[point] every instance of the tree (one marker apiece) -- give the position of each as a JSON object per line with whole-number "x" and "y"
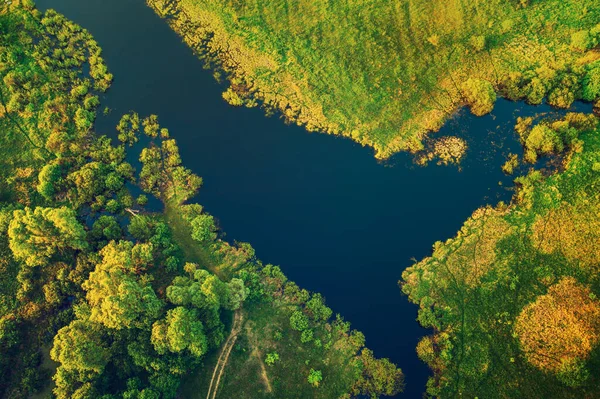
{"x": 118, "y": 298}
{"x": 480, "y": 95}
{"x": 316, "y": 306}
{"x": 583, "y": 40}
{"x": 237, "y": 293}
{"x": 79, "y": 347}
{"x": 315, "y": 377}
{"x": 49, "y": 179}
{"x": 36, "y": 235}
{"x": 106, "y": 227}
{"x": 272, "y": 358}
{"x": 203, "y": 228}
{"x": 128, "y": 128}
{"x": 591, "y": 82}
{"x": 299, "y": 321}
{"x": 379, "y": 377}
{"x": 180, "y": 330}
{"x": 561, "y": 328}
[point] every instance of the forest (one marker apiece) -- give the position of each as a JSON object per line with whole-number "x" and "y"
{"x": 513, "y": 299}
{"x": 385, "y": 74}
{"x": 116, "y": 283}
{"x": 104, "y": 295}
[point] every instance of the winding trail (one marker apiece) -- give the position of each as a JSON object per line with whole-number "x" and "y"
{"x": 224, "y": 356}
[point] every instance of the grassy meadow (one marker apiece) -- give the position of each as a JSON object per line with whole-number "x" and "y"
{"x": 386, "y": 73}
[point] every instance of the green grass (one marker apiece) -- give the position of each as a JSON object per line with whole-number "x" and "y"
{"x": 243, "y": 377}
{"x": 383, "y": 73}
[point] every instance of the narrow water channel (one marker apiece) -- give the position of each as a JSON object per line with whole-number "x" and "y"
{"x": 337, "y": 221}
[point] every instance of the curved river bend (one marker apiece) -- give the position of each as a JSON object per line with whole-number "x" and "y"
{"x": 336, "y": 220}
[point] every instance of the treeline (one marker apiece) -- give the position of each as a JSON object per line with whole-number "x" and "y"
{"x": 106, "y": 297}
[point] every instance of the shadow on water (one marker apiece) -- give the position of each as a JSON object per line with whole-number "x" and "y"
{"x": 336, "y": 220}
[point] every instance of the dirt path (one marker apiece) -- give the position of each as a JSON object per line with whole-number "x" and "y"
{"x": 259, "y": 356}
{"x": 224, "y": 356}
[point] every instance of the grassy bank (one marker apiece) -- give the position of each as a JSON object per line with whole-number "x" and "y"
{"x": 385, "y": 73}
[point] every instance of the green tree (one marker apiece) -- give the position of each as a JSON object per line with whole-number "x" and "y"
{"x": 203, "y": 228}
{"x": 49, "y": 179}
{"x": 180, "y": 330}
{"x": 583, "y": 40}
{"x": 80, "y": 347}
{"x": 480, "y": 96}
{"x": 591, "y": 82}
{"x": 118, "y": 298}
{"x": 36, "y": 235}
{"x": 237, "y": 293}
{"x": 299, "y": 321}
{"x": 315, "y": 377}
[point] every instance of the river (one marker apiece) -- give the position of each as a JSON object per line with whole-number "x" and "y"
{"x": 336, "y": 220}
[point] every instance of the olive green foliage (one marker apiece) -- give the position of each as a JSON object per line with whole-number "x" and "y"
{"x": 385, "y": 73}
{"x": 512, "y": 299}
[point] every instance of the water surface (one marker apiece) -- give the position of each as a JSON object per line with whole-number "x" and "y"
{"x": 337, "y": 221}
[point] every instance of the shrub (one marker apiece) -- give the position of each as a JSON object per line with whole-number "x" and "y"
{"x": 583, "y": 40}
{"x": 299, "y": 321}
{"x": 272, "y": 358}
{"x": 203, "y": 228}
{"x": 591, "y": 83}
{"x": 315, "y": 377}
{"x": 480, "y": 96}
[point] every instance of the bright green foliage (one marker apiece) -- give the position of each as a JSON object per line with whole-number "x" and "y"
{"x": 181, "y": 330}
{"x": 162, "y": 173}
{"x": 299, "y": 321}
{"x": 79, "y": 347}
{"x": 591, "y": 82}
{"x": 128, "y": 128}
{"x": 583, "y": 40}
{"x": 315, "y": 377}
{"x": 272, "y": 358}
{"x": 37, "y": 235}
{"x": 118, "y": 298}
{"x": 49, "y": 178}
{"x": 203, "y": 228}
{"x": 480, "y": 96}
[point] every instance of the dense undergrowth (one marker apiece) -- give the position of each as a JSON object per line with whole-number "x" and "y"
{"x": 386, "y": 72}
{"x": 103, "y": 298}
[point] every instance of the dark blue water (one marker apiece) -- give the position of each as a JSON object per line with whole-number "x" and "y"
{"x": 336, "y": 220}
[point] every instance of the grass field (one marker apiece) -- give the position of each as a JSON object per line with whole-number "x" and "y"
{"x": 384, "y": 73}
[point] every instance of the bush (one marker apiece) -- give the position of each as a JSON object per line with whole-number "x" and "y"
{"x": 583, "y": 40}
{"x": 480, "y": 96}
{"x": 203, "y": 228}
{"x": 299, "y": 321}
{"x": 591, "y": 83}
{"x": 272, "y": 358}
{"x": 315, "y": 377}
